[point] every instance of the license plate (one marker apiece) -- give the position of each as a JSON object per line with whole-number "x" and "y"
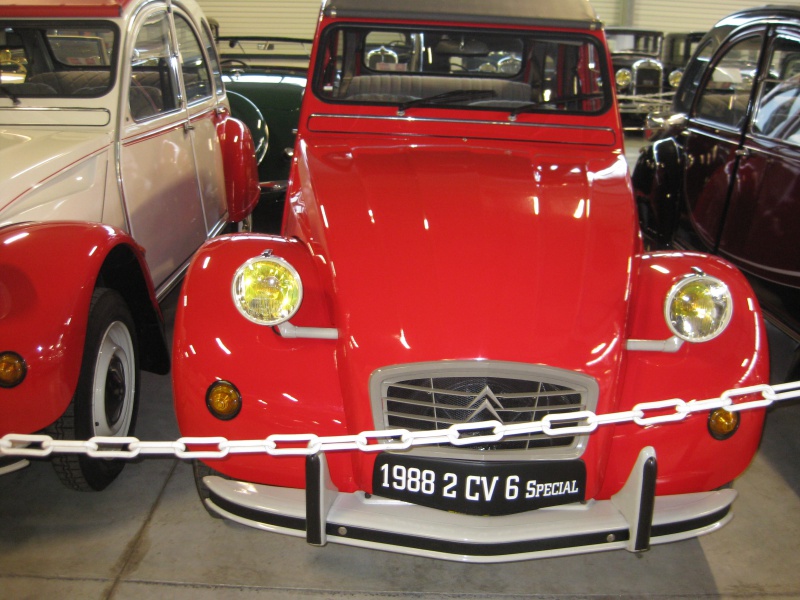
{"x": 479, "y": 488}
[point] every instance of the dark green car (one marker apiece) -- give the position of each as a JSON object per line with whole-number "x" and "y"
{"x": 265, "y": 78}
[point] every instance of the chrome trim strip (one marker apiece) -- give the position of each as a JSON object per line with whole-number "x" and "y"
{"x": 287, "y": 330}
{"x": 669, "y": 346}
{"x": 462, "y": 122}
{"x": 42, "y": 110}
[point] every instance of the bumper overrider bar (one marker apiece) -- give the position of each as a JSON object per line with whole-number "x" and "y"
{"x": 632, "y": 519}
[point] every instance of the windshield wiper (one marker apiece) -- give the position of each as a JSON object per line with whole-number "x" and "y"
{"x": 454, "y": 96}
{"x": 8, "y": 94}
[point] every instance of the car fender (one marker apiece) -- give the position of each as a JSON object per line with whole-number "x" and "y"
{"x": 285, "y": 383}
{"x": 657, "y": 184}
{"x": 736, "y": 359}
{"x": 239, "y": 163}
{"x": 48, "y": 272}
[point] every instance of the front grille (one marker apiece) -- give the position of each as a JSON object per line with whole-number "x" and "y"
{"x": 647, "y": 77}
{"x": 434, "y": 396}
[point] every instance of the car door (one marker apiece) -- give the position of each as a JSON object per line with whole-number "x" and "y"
{"x": 713, "y": 137}
{"x": 203, "y": 92}
{"x": 157, "y": 165}
{"x": 763, "y": 218}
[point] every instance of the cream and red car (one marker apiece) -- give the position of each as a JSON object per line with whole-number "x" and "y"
{"x": 460, "y": 253}
{"x": 118, "y": 160}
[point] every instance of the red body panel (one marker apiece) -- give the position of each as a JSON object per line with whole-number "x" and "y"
{"x": 47, "y": 274}
{"x": 241, "y": 171}
{"x": 87, "y": 9}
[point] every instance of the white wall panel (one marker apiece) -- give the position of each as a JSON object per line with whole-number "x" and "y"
{"x": 687, "y": 15}
{"x": 298, "y": 18}
{"x": 286, "y": 18}
{"x": 609, "y": 11}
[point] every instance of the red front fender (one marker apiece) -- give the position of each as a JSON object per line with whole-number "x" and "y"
{"x": 47, "y": 274}
{"x": 241, "y": 171}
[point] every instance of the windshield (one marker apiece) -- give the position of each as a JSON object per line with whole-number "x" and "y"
{"x": 56, "y": 60}
{"x": 518, "y": 71}
{"x": 264, "y": 52}
{"x": 635, "y": 42}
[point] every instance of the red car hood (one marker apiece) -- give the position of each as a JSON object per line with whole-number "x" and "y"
{"x": 488, "y": 251}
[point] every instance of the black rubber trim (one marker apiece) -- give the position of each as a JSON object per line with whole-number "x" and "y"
{"x": 647, "y": 505}
{"x": 314, "y": 521}
{"x": 462, "y": 548}
{"x": 684, "y": 526}
{"x": 258, "y": 516}
{"x": 468, "y": 549}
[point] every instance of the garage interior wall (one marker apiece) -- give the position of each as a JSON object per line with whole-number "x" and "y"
{"x": 298, "y": 18}
{"x": 284, "y": 18}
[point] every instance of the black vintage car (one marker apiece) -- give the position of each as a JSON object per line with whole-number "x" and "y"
{"x": 638, "y": 71}
{"x": 676, "y": 51}
{"x": 723, "y": 172}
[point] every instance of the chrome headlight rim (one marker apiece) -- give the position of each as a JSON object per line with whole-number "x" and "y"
{"x": 721, "y": 323}
{"x": 623, "y": 78}
{"x": 675, "y": 77}
{"x": 236, "y": 293}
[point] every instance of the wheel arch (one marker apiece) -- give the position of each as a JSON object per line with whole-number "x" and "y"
{"x": 48, "y": 273}
{"x": 122, "y": 271}
{"x": 239, "y": 163}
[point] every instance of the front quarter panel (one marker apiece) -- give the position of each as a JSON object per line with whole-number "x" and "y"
{"x": 288, "y": 386}
{"x": 241, "y": 170}
{"x": 48, "y": 272}
{"x": 689, "y": 458}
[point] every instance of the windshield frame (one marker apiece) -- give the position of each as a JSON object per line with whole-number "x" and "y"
{"x": 42, "y": 52}
{"x": 527, "y": 35}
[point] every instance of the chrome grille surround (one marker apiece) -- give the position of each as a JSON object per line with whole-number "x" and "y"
{"x": 648, "y": 77}
{"x": 436, "y": 395}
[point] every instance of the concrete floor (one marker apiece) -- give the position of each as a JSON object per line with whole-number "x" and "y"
{"x": 147, "y": 536}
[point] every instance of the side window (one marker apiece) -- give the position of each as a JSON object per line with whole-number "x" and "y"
{"x": 196, "y": 77}
{"x": 778, "y": 110}
{"x": 728, "y": 86}
{"x": 692, "y": 76}
{"x": 153, "y": 85}
{"x": 213, "y": 58}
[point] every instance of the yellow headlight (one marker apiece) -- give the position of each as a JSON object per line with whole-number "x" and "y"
{"x": 624, "y": 78}
{"x": 267, "y": 290}
{"x": 12, "y": 369}
{"x": 698, "y": 308}
{"x": 675, "y": 78}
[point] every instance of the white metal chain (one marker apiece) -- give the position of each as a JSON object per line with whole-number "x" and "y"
{"x": 644, "y": 414}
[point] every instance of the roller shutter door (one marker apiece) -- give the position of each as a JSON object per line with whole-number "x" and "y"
{"x": 608, "y": 11}
{"x": 686, "y": 15}
{"x": 285, "y": 18}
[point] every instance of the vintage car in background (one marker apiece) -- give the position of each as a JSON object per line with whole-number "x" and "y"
{"x": 638, "y": 72}
{"x": 459, "y": 253}
{"x": 723, "y": 172}
{"x": 265, "y": 78}
{"x": 119, "y": 159}
{"x": 676, "y": 51}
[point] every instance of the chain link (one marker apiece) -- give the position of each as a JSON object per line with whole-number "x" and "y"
{"x": 644, "y": 414}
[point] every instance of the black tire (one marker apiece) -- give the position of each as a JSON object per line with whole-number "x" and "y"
{"x": 107, "y": 396}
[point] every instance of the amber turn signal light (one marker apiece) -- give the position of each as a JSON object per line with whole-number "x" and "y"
{"x": 12, "y": 369}
{"x": 722, "y": 423}
{"x": 223, "y": 400}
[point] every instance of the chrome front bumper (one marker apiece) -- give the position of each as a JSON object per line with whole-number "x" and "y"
{"x": 632, "y": 519}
